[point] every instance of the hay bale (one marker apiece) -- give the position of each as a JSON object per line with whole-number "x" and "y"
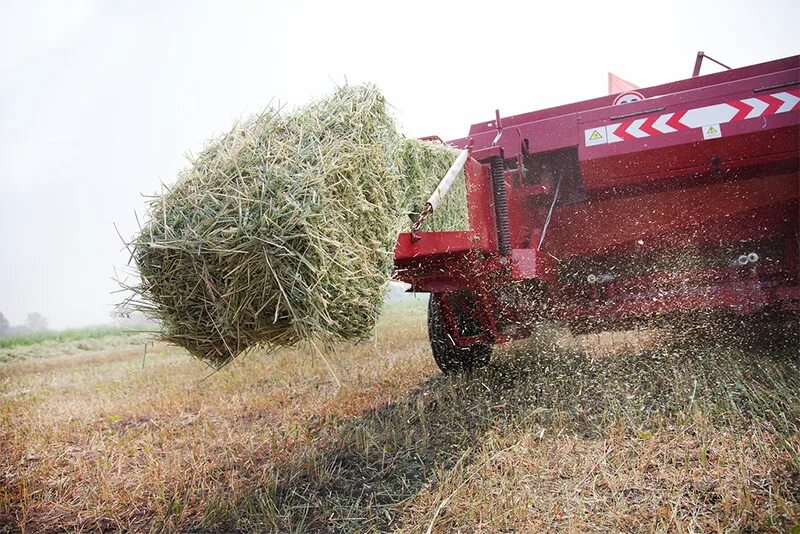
{"x": 283, "y": 229}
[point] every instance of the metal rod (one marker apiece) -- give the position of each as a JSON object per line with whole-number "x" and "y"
{"x": 698, "y": 62}
{"x": 720, "y": 63}
{"x": 441, "y": 190}
{"x": 549, "y": 213}
{"x": 449, "y": 178}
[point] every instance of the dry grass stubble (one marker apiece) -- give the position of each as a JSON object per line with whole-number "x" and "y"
{"x": 668, "y": 439}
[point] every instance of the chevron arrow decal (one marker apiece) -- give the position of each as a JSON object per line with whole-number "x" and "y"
{"x": 737, "y": 110}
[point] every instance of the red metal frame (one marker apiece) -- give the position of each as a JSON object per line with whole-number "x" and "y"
{"x": 621, "y": 203}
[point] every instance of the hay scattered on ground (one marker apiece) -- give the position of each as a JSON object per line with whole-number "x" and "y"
{"x": 283, "y": 229}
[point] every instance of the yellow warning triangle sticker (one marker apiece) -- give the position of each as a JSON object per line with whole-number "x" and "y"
{"x": 595, "y": 136}
{"x": 711, "y": 130}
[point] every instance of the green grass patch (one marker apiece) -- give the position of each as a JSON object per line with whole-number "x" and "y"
{"x": 75, "y": 334}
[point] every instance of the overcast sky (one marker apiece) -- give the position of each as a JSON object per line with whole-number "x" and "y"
{"x": 100, "y": 101}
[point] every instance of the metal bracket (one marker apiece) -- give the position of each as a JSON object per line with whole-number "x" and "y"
{"x": 699, "y": 62}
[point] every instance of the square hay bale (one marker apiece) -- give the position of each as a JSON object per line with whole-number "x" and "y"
{"x": 283, "y": 229}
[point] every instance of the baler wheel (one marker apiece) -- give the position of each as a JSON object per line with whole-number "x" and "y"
{"x": 448, "y": 356}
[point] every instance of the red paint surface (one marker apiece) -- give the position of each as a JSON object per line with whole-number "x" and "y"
{"x": 659, "y": 193}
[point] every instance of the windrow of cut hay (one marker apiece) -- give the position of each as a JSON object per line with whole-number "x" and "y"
{"x": 283, "y": 229}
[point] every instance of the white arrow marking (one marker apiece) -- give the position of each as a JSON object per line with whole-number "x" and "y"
{"x": 661, "y": 125}
{"x": 634, "y": 130}
{"x": 789, "y": 101}
{"x": 610, "y": 129}
{"x": 758, "y": 107}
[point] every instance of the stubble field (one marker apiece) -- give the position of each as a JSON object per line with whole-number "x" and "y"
{"x": 557, "y": 434}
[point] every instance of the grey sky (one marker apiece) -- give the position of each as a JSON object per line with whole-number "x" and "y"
{"x": 99, "y": 101}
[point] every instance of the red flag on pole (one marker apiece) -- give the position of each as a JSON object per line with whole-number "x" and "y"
{"x": 618, "y": 85}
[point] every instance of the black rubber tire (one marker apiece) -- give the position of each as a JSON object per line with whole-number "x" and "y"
{"x": 448, "y": 356}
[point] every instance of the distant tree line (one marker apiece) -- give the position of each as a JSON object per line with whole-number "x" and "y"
{"x": 35, "y": 322}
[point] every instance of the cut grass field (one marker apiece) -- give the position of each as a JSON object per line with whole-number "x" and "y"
{"x": 675, "y": 437}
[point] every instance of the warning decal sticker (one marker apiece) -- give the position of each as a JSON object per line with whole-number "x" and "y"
{"x": 712, "y": 131}
{"x": 596, "y": 136}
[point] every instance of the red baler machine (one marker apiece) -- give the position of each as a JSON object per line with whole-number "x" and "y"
{"x": 603, "y": 214}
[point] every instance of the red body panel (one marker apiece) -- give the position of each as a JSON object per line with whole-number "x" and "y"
{"x": 724, "y": 211}
{"x": 657, "y": 209}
